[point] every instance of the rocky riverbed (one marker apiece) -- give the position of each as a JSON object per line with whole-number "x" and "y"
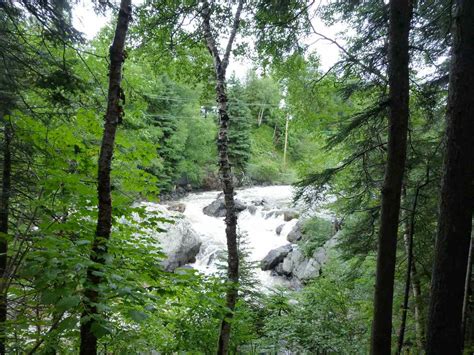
{"x": 268, "y": 221}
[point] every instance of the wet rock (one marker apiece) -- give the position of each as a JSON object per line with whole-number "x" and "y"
{"x": 274, "y": 214}
{"x": 307, "y": 270}
{"x": 275, "y": 256}
{"x": 180, "y": 243}
{"x": 292, "y": 260}
{"x": 279, "y": 229}
{"x": 296, "y": 232}
{"x": 177, "y": 206}
{"x": 290, "y": 214}
{"x": 278, "y": 270}
{"x": 252, "y": 209}
{"x": 217, "y": 207}
{"x": 260, "y": 202}
{"x": 299, "y": 268}
{"x": 296, "y": 264}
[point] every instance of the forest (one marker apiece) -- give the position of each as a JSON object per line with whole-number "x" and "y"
{"x": 195, "y": 178}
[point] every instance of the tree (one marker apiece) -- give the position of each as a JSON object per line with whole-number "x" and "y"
{"x": 239, "y": 128}
{"x": 400, "y": 16}
{"x": 113, "y": 117}
{"x": 225, "y": 170}
{"x": 456, "y": 205}
{"x": 4, "y": 216}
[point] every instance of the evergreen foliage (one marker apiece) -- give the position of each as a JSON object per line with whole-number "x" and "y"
{"x": 53, "y": 87}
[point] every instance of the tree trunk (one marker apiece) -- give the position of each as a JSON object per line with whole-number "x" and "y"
{"x": 400, "y": 16}
{"x": 104, "y": 222}
{"x": 4, "y": 214}
{"x": 467, "y": 312}
{"x": 456, "y": 206}
{"x": 408, "y": 237}
{"x": 417, "y": 306}
{"x": 285, "y": 148}
{"x": 260, "y": 117}
{"x": 225, "y": 170}
{"x": 410, "y": 279}
{"x": 231, "y": 216}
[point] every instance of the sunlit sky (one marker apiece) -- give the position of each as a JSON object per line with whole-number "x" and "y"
{"x": 90, "y": 23}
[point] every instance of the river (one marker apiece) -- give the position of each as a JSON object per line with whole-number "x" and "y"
{"x": 259, "y": 227}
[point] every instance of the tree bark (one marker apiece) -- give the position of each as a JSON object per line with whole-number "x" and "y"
{"x": 400, "y": 17}
{"x": 444, "y": 334}
{"x": 260, "y": 117}
{"x": 285, "y": 148}
{"x": 104, "y": 222}
{"x": 406, "y": 294}
{"x": 4, "y": 215}
{"x": 467, "y": 311}
{"x": 225, "y": 169}
{"x": 417, "y": 307}
{"x": 411, "y": 280}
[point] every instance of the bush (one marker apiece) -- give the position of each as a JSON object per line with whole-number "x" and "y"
{"x": 316, "y": 231}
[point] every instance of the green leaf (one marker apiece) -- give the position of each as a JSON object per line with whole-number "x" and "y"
{"x": 100, "y": 329}
{"x": 68, "y": 303}
{"x": 137, "y": 316}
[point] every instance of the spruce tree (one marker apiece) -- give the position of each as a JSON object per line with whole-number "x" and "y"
{"x": 239, "y": 128}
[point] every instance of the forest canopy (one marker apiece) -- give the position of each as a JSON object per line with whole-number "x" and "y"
{"x": 112, "y": 143}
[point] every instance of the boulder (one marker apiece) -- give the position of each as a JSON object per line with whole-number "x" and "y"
{"x": 296, "y": 233}
{"x": 296, "y": 264}
{"x": 274, "y": 214}
{"x": 290, "y": 214}
{"x": 308, "y": 269}
{"x": 260, "y": 202}
{"x": 269, "y": 214}
{"x": 279, "y": 229}
{"x": 217, "y": 207}
{"x": 278, "y": 270}
{"x": 291, "y": 261}
{"x": 252, "y": 209}
{"x": 180, "y": 243}
{"x": 275, "y": 256}
{"x": 177, "y": 206}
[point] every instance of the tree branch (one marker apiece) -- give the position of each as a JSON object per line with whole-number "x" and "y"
{"x": 351, "y": 57}
{"x": 235, "y": 27}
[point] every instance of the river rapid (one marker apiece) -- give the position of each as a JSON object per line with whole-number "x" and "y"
{"x": 258, "y": 225}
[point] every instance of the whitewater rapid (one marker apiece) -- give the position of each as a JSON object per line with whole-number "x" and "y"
{"x": 259, "y": 228}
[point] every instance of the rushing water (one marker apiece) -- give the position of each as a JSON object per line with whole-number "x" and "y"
{"x": 259, "y": 228}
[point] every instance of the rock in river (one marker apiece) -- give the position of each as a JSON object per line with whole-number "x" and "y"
{"x": 279, "y": 229}
{"x": 180, "y": 243}
{"x": 217, "y": 207}
{"x": 177, "y": 206}
{"x": 290, "y": 214}
{"x": 275, "y": 256}
{"x": 296, "y": 233}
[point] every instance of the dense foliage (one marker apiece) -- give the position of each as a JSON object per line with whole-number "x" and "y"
{"x": 290, "y": 122}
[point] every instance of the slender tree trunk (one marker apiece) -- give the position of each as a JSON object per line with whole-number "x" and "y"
{"x": 260, "y": 116}
{"x": 285, "y": 148}
{"x": 400, "y": 17}
{"x": 104, "y": 222}
{"x": 409, "y": 279}
{"x": 409, "y": 249}
{"x": 417, "y": 305}
{"x": 456, "y": 206}
{"x": 4, "y": 215}
{"x": 231, "y": 215}
{"x": 225, "y": 170}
